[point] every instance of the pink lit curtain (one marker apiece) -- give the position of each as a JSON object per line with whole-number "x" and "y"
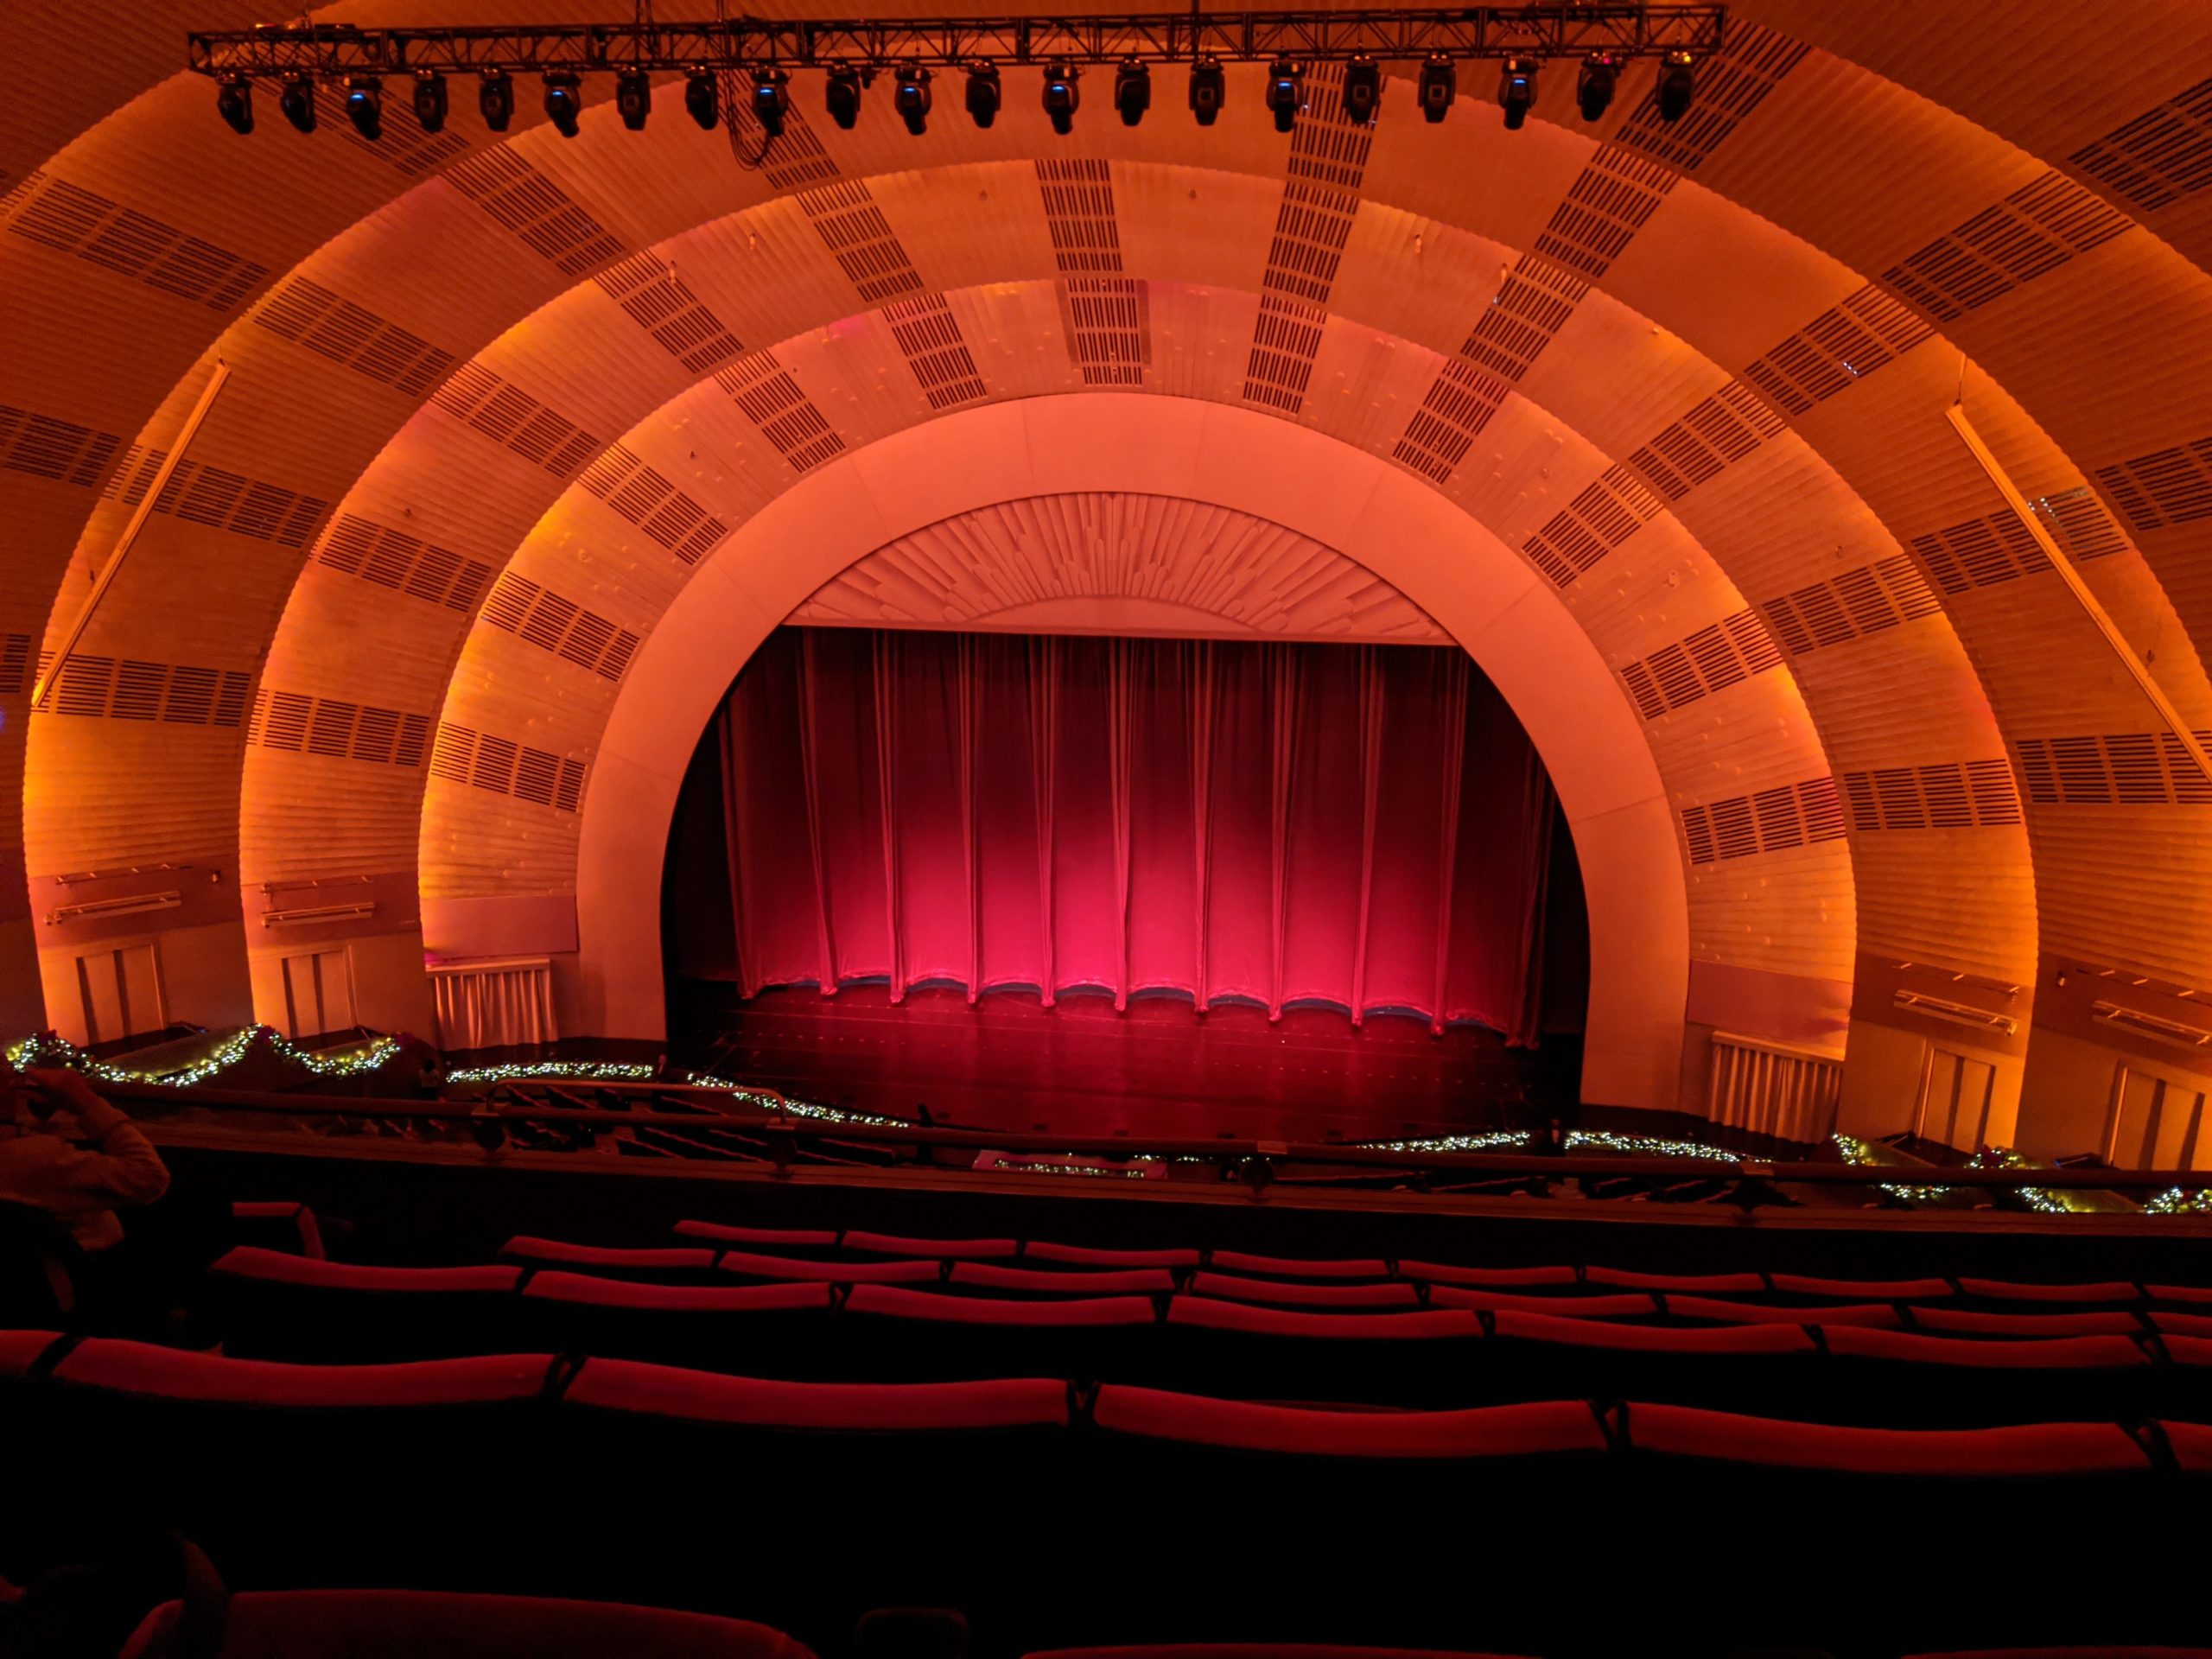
{"x": 1362, "y": 826}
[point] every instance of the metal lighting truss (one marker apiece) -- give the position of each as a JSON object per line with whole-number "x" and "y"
{"x": 339, "y": 50}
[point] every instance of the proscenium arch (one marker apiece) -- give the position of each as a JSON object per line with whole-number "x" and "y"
{"x": 1484, "y": 594}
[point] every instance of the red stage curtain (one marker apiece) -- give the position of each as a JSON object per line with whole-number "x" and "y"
{"x": 1367, "y": 826}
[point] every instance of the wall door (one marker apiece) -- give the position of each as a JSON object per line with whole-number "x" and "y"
{"x": 1956, "y": 1091}
{"x": 119, "y": 992}
{"x": 2155, "y": 1122}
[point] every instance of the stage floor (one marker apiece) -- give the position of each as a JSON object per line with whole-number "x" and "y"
{"x": 1159, "y": 1069}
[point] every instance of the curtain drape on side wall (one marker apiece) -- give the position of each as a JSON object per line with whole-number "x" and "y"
{"x": 1366, "y": 826}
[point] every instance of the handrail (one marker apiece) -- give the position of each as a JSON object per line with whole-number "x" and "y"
{"x": 1561, "y": 1166}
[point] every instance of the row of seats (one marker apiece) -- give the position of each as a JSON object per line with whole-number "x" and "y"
{"x": 267, "y": 1305}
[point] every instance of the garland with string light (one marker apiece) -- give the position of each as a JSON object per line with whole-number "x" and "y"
{"x": 638, "y": 1071}
{"x": 47, "y": 1049}
{"x": 2179, "y": 1201}
{"x": 1856, "y": 1151}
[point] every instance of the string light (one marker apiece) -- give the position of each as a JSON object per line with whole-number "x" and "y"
{"x": 1646, "y": 1145}
{"x": 49, "y": 1051}
{"x": 1489, "y": 1142}
{"x": 1855, "y": 1151}
{"x": 609, "y": 1070}
{"x": 2178, "y": 1201}
{"x": 1132, "y": 1173}
{"x": 2035, "y": 1198}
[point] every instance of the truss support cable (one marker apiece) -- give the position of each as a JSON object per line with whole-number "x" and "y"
{"x": 106, "y": 578}
{"x": 2075, "y": 585}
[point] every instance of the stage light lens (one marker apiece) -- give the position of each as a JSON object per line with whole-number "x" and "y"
{"x": 634, "y": 98}
{"x": 985, "y": 94}
{"x": 1061, "y": 97}
{"x": 843, "y": 95}
{"x": 297, "y": 101}
{"x": 234, "y": 102}
{"x": 495, "y": 100}
{"x": 1284, "y": 79}
{"x": 1516, "y": 91}
{"x": 364, "y": 105}
{"x": 1439, "y": 87}
{"x": 1593, "y": 88}
{"x": 702, "y": 98}
{"x": 564, "y": 101}
{"x": 1132, "y": 90}
{"x": 1676, "y": 85}
{"x": 429, "y": 100}
{"x": 771, "y": 100}
{"x": 910, "y": 98}
{"x": 1362, "y": 89}
{"x": 1209, "y": 85}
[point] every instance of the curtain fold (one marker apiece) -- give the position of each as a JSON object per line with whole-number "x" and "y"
{"x": 1366, "y": 827}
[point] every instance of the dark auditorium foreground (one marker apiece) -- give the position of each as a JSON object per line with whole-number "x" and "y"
{"x": 1317, "y": 834}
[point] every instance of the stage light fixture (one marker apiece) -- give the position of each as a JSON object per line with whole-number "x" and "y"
{"x": 495, "y": 99}
{"x": 1676, "y": 85}
{"x": 429, "y": 100}
{"x": 1593, "y": 88}
{"x": 1284, "y": 80}
{"x": 771, "y": 98}
{"x": 1439, "y": 86}
{"x": 234, "y": 102}
{"x": 910, "y": 98}
{"x": 843, "y": 95}
{"x": 1516, "y": 91}
{"x": 1061, "y": 96}
{"x": 984, "y": 94}
{"x": 1362, "y": 89}
{"x": 1132, "y": 90}
{"x": 364, "y": 105}
{"x": 297, "y": 101}
{"x": 565, "y": 100}
{"x": 634, "y": 98}
{"x": 1209, "y": 85}
{"x": 701, "y": 97}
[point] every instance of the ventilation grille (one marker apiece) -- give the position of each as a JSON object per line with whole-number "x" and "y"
{"x": 62, "y": 217}
{"x": 14, "y": 664}
{"x": 1312, "y": 228}
{"x": 521, "y": 607}
{"x": 657, "y": 301}
{"x": 2168, "y": 487}
{"x": 219, "y": 499}
{"x": 336, "y": 729}
{"x": 1326, "y": 147}
{"x": 1837, "y": 349}
{"x": 405, "y": 146}
{"x": 506, "y": 414}
{"x": 2031, "y": 232}
{"x": 1870, "y": 600}
{"x": 47, "y": 448}
{"x": 1285, "y": 342}
{"x": 1459, "y": 405}
{"x": 2156, "y": 159}
{"x": 1772, "y": 821}
{"x": 2121, "y": 769}
{"x": 309, "y": 314}
{"x": 526, "y": 202}
{"x": 176, "y": 694}
{"x": 1722, "y": 429}
{"x": 1980, "y": 553}
{"x": 1952, "y": 795}
{"x": 2078, "y": 523}
{"x": 1713, "y": 659}
{"x": 1079, "y": 217}
{"x": 1730, "y": 85}
{"x": 656, "y": 506}
{"x": 390, "y": 558}
{"x": 929, "y": 334}
{"x": 1596, "y": 522}
{"x": 771, "y": 399}
{"x": 1606, "y": 207}
{"x": 1108, "y": 321}
{"x": 860, "y": 239}
{"x": 1529, "y": 309}
{"x": 503, "y": 766}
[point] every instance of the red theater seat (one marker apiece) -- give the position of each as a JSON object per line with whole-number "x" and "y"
{"x": 177, "y": 1373}
{"x": 2198, "y": 1295}
{"x": 295, "y": 1223}
{"x": 1753, "y": 1338}
{"x": 752, "y": 1266}
{"x": 584, "y": 1290}
{"x": 1862, "y": 1290}
{"x": 1090, "y": 1312}
{"x": 705, "y": 1396}
{"x": 2062, "y": 1353}
{"x": 19, "y": 1349}
{"x": 1104, "y": 1281}
{"x": 1254, "y": 1651}
{"x": 273, "y": 1304}
{"x": 1708, "y": 1307}
{"x": 1199, "y": 1312}
{"x": 1391, "y": 1293}
{"x": 1288, "y": 1266}
{"x": 1709, "y": 1283}
{"x": 935, "y": 1249}
{"x": 2099, "y": 1292}
{"x": 1971, "y": 1322}
{"x": 1544, "y": 1429}
{"x": 1091, "y": 1255}
{"x": 281, "y": 1267}
{"x": 681, "y": 1259}
{"x": 2036, "y": 1450}
{"x": 378, "y": 1623}
{"x": 789, "y": 1238}
{"x": 1443, "y": 1273}
{"x": 1625, "y": 1306}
